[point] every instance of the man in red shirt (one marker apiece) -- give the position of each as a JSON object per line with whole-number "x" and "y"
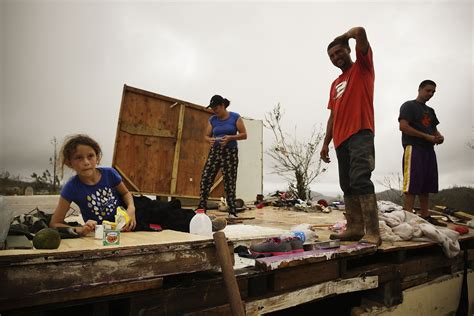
{"x": 351, "y": 127}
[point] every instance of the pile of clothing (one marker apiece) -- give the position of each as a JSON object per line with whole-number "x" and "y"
{"x": 399, "y": 225}
{"x": 32, "y": 222}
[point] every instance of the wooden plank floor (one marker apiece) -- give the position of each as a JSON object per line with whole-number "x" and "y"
{"x": 273, "y": 220}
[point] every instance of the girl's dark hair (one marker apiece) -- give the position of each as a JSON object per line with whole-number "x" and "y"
{"x": 218, "y": 100}
{"x": 70, "y": 144}
{"x": 226, "y": 102}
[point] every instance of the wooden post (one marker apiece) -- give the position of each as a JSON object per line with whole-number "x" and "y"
{"x": 177, "y": 150}
{"x": 230, "y": 281}
{"x": 216, "y": 184}
{"x": 134, "y": 186}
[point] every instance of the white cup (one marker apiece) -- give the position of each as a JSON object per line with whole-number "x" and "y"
{"x": 99, "y": 231}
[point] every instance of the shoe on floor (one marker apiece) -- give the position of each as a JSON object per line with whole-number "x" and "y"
{"x": 272, "y": 246}
{"x": 296, "y": 245}
{"x": 434, "y": 221}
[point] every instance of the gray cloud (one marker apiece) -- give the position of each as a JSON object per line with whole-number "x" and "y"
{"x": 63, "y": 65}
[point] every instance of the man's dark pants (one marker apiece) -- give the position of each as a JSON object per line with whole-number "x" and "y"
{"x": 356, "y": 161}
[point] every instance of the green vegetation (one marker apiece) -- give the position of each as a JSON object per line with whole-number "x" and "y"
{"x": 460, "y": 198}
{"x": 13, "y": 185}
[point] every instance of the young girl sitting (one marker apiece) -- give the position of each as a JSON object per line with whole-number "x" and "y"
{"x": 98, "y": 191}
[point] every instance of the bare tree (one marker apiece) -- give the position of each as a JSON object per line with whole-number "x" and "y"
{"x": 54, "y": 162}
{"x": 52, "y": 180}
{"x": 470, "y": 144}
{"x": 394, "y": 185}
{"x": 295, "y": 160}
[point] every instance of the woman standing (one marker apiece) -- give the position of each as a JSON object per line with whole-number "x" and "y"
{"x": 222, "y": 132}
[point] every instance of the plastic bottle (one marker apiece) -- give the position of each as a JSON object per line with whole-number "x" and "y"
{"x": 300, "y": 234}
{"x": 200, "y": 224}
{"x": 295, "y": 233}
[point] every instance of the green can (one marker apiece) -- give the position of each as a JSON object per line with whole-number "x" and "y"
{"x": 111, "y": 237}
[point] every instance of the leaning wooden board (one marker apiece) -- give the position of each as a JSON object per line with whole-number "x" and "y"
{"x": 34, "y": 277}
{"x": 158, "y": 146}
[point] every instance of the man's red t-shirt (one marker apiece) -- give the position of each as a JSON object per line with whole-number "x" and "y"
{"x": 352, "y": 99}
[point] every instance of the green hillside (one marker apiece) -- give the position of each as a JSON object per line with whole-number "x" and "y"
{"x": 461, "y": 198}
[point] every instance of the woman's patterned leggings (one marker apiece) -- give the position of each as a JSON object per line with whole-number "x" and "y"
{"x": 226, "y": 159}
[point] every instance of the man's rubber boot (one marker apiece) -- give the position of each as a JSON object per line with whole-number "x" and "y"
{"x": 368, "y": 203}
{"x": 355, "y": 225}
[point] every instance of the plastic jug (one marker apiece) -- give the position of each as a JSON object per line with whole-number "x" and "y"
{"x": 200, "y": 224}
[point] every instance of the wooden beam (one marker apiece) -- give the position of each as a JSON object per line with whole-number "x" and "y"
{"x": 166, "y": 98}
{"x": 291, "y": 260}
{"x": 385, "y": 272}
{"x": 216, "y": 184}
{"x": 177, "y": 149}
{"x": 86, "y": 292}
{"x": 134, "y": 186}
{"x": 308, "y": 294}
{"x": 193, "y": 295}
{"x": 223, "y": 310}
{"x": 226, "y": 262}
{"x": 305, "y": 275}
{"x": 114, "y": 157}
{"x": 259, "y": 285}
{"x": 388, "y": 293}
{"x": 53, "y": 275}
{"x": 426, "y": 263}
{"x": 143, "y": 130}
{"x": 172, "y": 195}
{"x": 414, "y": 280}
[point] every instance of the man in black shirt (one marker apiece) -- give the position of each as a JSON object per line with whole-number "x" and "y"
{"x": 419, "y": 135}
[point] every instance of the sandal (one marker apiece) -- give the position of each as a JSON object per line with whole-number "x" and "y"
{"x": 434, "y": 221}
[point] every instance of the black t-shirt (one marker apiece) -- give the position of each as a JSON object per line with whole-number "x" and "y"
{"x": 421, "y": 117}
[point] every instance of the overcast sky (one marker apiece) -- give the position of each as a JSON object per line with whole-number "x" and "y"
{"x": 63, "y": 66}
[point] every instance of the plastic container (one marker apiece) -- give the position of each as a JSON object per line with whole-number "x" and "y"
{"x": 298, "y": 234}
{"x": 200, "y": 224}
{"x": 111, "y": 237}
{"x": 301, "y": 235}
{"x": 99, "y": 232}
